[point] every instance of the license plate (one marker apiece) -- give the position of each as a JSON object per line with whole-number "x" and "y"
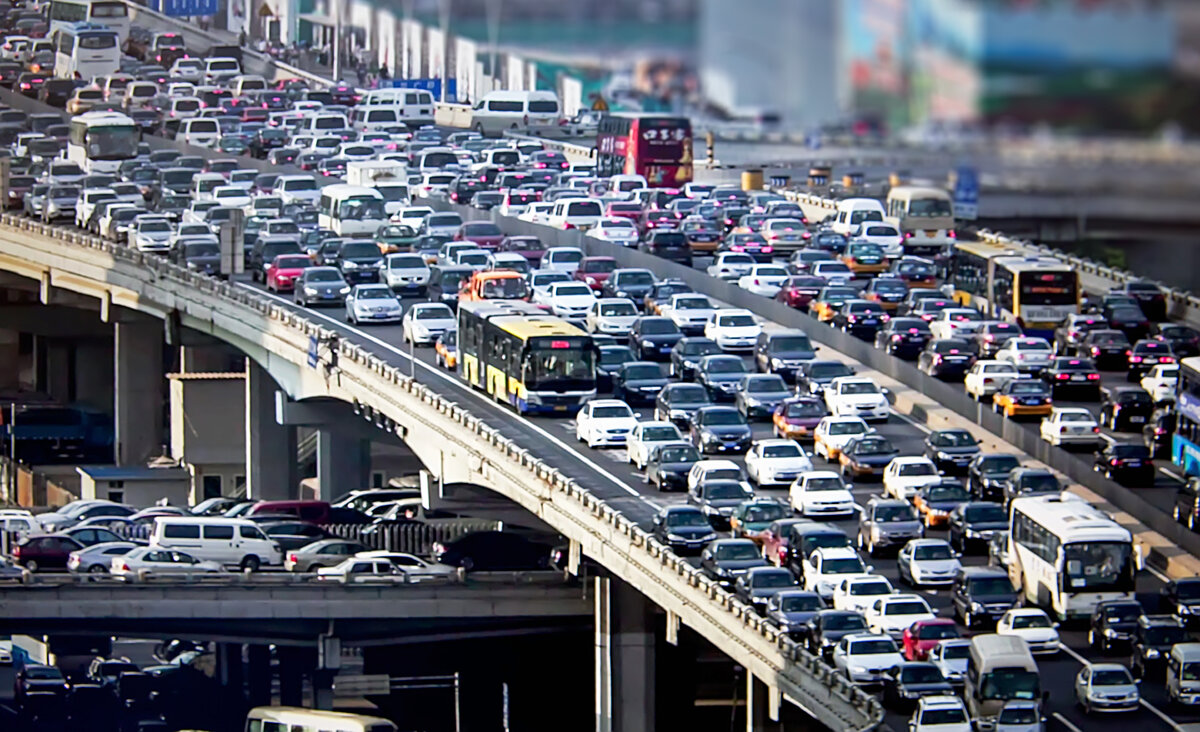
{"x": 869, "y": 321}
{"x": 560, "y": 407}
{"x": 1079, "y": 377}
{"x": 1137, "y": 420}
{"x": 328, "y": 295}
{"x": 1133, "y": 463}
{"x": 381, "y": 315}
{"x": 931, "y": 233}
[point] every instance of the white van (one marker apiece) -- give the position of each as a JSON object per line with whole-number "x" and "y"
{"x": 624, "y": 185}
{"x": 532, "y": 111}
{"x": 414, "y": 107}
{"x": 297, "y": 189}
{"x": 232, "y": 542}
{"x": 182, "y": 107}
{"x": 204, "y": 186}
{"x": 851, "y": 212}
{"x": 245, "y": 83}
{"x": 221, "y": 69}
{"x": 365, "y": 119}
{"x": 575, "y": 213}
{"x": 202, "y": 132}
{"x": 324, "y": 122}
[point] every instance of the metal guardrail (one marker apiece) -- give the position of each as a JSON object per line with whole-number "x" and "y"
{"x": 34, "y": 249}
{"x": 268, "y": 579}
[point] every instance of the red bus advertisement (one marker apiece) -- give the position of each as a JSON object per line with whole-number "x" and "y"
{"x": 658, "y": 148}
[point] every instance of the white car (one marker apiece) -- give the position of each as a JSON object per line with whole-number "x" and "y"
{"x": 731, "y": 265}
{"x": 989, "y": 376}
{"x": 732, "y": 329}
{"x": 1106, "y": 687}
{"x": 373, "y": 304}
{"x": 776, "y": 462}
{"x": 442, "y": 223}
{"x": 1160, "y": 381}
{"x": 646, "y": 436}
{"x": 425, "y": 322}
{"x": 832, "y": 433}
{"x": 411, "y": 216}
{"x": 570, "y": 300}
{"x": 886, "y": 236}
{"x": 1029, "y": 355}
{"x": 826, "y": 567}
{"x": 821, "y": 493}
{"x": 941, "y": 713}
{"x": 1070, "y": 426}
{"x": 6, "y": 653}
{"x": 857, "y": 396}
{"x": 764, "y": 279}
{"x": 405, "y": 273}
{"x": 97, "y": 558}
{"x": 605, "y": 422}
{"x": 540, "y": 282}
{"x": 362, "y": 570}
{"x": 156, "y": 561}
{"x": 412, "y": 566}
{"x": 86, "y": 203}
{"x": 856, "y": 594}
{"x": 615, "y": 231}
{"x": 864, "y": 657}
{"x": 150, "y": 234}
{"x": 232, "y": 196}
{"x": 611, "y": 316}
{"x": 955, "y": 322}
{"x": 562, "y": 259}
{"x": 536, "y": 213}
{"x": 1031, "y": 625}
{"x": 189, "y": 69}
{"x": 892, "y": 614}
{"x": 904, "y": 476}
{"x": 713, "y": 470}
{"x": 923, "y": 562}
{"x": 950, "y": 656}
{"x": 834, "y": 273}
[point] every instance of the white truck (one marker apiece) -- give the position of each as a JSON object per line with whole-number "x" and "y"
{"x": 389, "y": 177}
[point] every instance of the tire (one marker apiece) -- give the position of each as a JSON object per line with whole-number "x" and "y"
{"x": 31, "y": 565}
{"x": 251, "y": 563}
{"x": 97, "y": 569}
{"x": 467, "y": 564}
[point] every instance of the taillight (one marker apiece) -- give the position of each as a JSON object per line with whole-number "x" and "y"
{"x": 1061, "y": 377}
{"x": 1093, "y": 377}
{"x": 952, "y": 234}
{"x": 293, "y": 558}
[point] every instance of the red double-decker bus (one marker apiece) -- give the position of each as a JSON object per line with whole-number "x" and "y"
{"x": 656, "y": 147}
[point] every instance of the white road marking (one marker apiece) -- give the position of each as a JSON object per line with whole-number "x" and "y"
{"x": 1066, "y": 722}
{"x": 1171, "y": 474}
{"x": 446, "y": 377}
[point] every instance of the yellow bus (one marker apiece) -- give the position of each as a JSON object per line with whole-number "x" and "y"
{"x": 524, "y": 357}
{"x": 1014, "y": 284}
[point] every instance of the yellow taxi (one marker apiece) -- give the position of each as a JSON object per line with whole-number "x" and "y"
{"x": 829, "y": 299}
{"x": 1023, "y": 398}
{"x": 864, "y": 258}
{"x": 935, "y": 502}
{"x": 445, "y": 350}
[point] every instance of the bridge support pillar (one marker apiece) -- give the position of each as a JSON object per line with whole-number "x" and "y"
{"x": 625, "y": 671}
{"x": 94, "y": 374}
{"x": 55, "y": 368}
{"x": 322, "y": 683}
{"x": 292, "y": 664}
{"x": 10, "y": 359}
{"x": 757, "y": 704}
{"x": 258, "y": 675}
{"x": 271, "y": 469}
{"x": 343, "y": 462}
{"x": 138, "y": 391}
{"x": 229, "y": 667}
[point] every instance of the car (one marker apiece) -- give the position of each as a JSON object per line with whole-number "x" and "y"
{"x": 991, "y": 336}
{"x": 1129, "y": 464}
{"x": 361, "y": 569}
{"x": 717, "y": 429}
{"x": 955, "y": 323}
{"x": 294, "y": 534}
{"x": 797, "y": 418}
{"x": 1181, "y": 597}
{"x": 570, "y": 300}
{"x": 1129, "y": 319}
{"x": 824, "y": 306}
{"x": 1112, "y": 623}
{"x": 1075, "y": 376}
{"x": 46, "y": 552}
{"x": 826, "y": 567}
{"x": 732, "y": 329}
{"x": 783, "y": 353}
{"x": 609, "y": 359}
{"x": 424, "y": 322}
{"x": 492, "y": 551}
{"x": 1029, "y": 355}
{"x": 720, "y": 375}
{"x": 891, "y": 615}
{"x": 945, "y": 713}
{"x": 866, "y": 456}
{"x": 947, "y": 358}
{"x": 1159, "y": 431}
{"x": 973, "y": 524}
{"x": 1033, "y": 626}
{"x": 886, "y": 291}
{"x": 595, "y": 271}
{"x": 323, "y": 553}
{"x": 320, "y": 286}
{"x": 759, "y": 584}
{"x": 776, "y": 462}
{"x": 833, "y": 433}
{"x": 813, "y": 376}
{"x": 1109, "y": 349}
{"x": 1070, "y": 334}
{"x": 97, "y": 558}
{"x": 668, "y": 466}
{"x": 860, "y": 592}
{"x": 1022, "y": 398}
{"x": 676, "y": 401}
{"x": 1151, "y": 642}
{"x": 683, "y": 528}
{"x": 864, "y": 658}
{"x": 153, "y": 561}
{"x": 750, "y": 518}
{"x": 1019, "y": 715}
{"x": 1024, "y": 482}
{"x": 687, "y": 354}
{"x": 950, "y": 655}
{"x": 653, "y": 337}
{"x": 1145, "y": 355}
{"x": 604, "y": 423}
{"x": 645, "y": 437}
{"x": 935, "y": 502}
{"x": 820, "y": 493}
{"x": 927, "y": 562}
{"x": 860, "y": 318}
{"x": 731, "y": 266}
{"x": 905, "y": 475}
{"x": 763, "y": 279}
{"x": 791, "y": 611}
{"x": 907, "y": 682}
{"x": 611, "y": 316}
{"x": 1106, "y": 687}
{"x": 857, "y": 396}
{"x": 826, "y": 628}
{"x": 725, "y": 560}
{"x": 987, "y": 474}
{"x": 799, "y": 290}
{"x": 713, "y": 469}
{"x": 620, "y": 231}
{"x": 1070, "y": 426}
{"x": 951, "y": 450}
{"x": 638, "y": 382}
{"x": 903, "y": 337}
{"x": 757, "y": 395}
{"x": 1125, "y": 408}
{"x": 1160, "y": 382}
{"x": 1184, "y": 340}
{"x": 985, "y": 378}
{"x": 445, "y": 350}
{"x": 887, "y": 522}
{"x": 689, "y": 311}
{"x": 372, "y": 304}
{"x": 33, "y": 678}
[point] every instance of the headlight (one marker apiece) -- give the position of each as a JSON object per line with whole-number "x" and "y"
{"x": 1110, "y": 633}
{"x": 776, "y": 363}
{"x": 859, "y": 669}
{"x": 977, "y": 608}
{"x": 310, "y": 291}
{"x": 1152, "y": 653}
{"x": 344, "y": 291}
{"x": 1184, "y": 610}
{"x": 944, "y": 456}
{"x": 675, "y": 537}
{"x": 349, "y": 265}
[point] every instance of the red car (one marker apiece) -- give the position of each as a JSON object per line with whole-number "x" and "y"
{"x": 45, "y": 552}
{"x": 483, "y": 233}
{"x": 799, "y": 290}
{"x": 595, "y": 271}
{"x": 923, "y": 635}
{"x": 283, "y": 271}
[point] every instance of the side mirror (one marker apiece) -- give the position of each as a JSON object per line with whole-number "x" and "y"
{"x": 1056, "y": 626}
{"x": 934, "y": 610}
{"x": 870, "y": 568}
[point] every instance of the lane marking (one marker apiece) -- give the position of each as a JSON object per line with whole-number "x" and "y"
{"x": 1172, "y": 474}
{"x": 459, "y": 385}
{"x": 1065, "y": 722}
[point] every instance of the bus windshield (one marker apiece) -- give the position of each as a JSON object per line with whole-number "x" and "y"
{"x": 1099, "y": 566}
{"x": 1010, "y": 683}
{"x": 929, "y": 207}
{"x": 560, "y": 369}
{"x": 361, "y": 209}
{"x": 112, "y": 142}
{"x": 1049, "y": 288}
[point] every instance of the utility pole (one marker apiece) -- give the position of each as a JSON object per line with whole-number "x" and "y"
{"x": 336, "y": 6}
{"x": 494, "y": 8}
{"x": 444, "y": 22}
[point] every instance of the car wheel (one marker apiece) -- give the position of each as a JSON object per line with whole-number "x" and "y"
{"x": 97, "y": 569}
{"x": 31, "y": 565}
{"x": 467, "y": 564}
{"x": 251, "y": 563}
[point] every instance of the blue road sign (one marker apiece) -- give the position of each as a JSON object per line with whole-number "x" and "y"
{"x": 185, "y": 8}
{"x": 966, "y": 193}
{"x": 314, "y": 355}
{"x": 433, "y": 86}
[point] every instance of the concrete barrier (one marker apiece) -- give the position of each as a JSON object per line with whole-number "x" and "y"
{"x": 452, "y": 115}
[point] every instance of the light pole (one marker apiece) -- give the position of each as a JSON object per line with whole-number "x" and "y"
{"x": 444, "y": 21}
{"x": 336, "y": 7}
{"x": 494, "y": 8}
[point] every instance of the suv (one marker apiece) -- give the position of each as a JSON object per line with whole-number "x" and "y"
{"x": 1023, "y": 482}
{"x": 1113, "y": 621}
{"x": 1068, "y": 337}
{"x": 1159, "y": 431}
{"x": 1125, "y": 408}
{"x": 982, "y": 594}
{"x": 886, "y": 522}
{"x": 670, "y": 245}
{"x": 1187, "y": 503}
{"x": 1151, "y": 642}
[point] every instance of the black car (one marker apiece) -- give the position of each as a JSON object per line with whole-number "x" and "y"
{"x": 1146, "y": 354}
{"x": 1070, "y": 334}
{"x": 947, "y": 358}
{"x": 717, "y": 429}
{"x": 1151, "y": 643}
{"x": 445, "y": 282}
{"x": 725, "y": 560}
{"x": 988, "y": 472}
{"x": 493, "y": 551}
{"x": 828, "y": 627}
{"x": 33, "y": 678}
{"x": 687, "y": 354}
{"x": 1184, "y": 340}
{"x": 980, "y": 595}
{"x": 866, "y": 456}
{"x": 1127, "y": 463}
{"x": 609, "y": 360}
{"x": 1113, "y": 622}
{"x": 661, "y": 293}
{"x": 860, "y": 318}
{"x": 198, "y": 256}
{"x": 683, "y": 528}
{"x": 652, "y": 338}
{"x": 1129, "y": 319}
{"x": 633, "y": 284}
{"x": 672, "y": 246}
{"x": 56, "y": 92}
{"x": 903, "y": 337}
{"x": 758, "y": 585}
{"x": 973, "y": 524}
{"x": 720, "y": 374}
{"x": 1108, "y": 349}
{"x": 638, "y": 382}
{"x": 1125, "y": 408}
{"x": 904, "y": 683}
{"x": 1150, "y": 298}
{"x": 951, "y": 450}
{"x": 320, "y": 286}
{"x": 759, "y": 394}
{"x": 359, "y": 261}
{"x": 1159, "y": 431}
{"x": 783, "y": 352}
{"x": 792, "y": 610}
{"x": 1025, "y": 482}
{"x": 812, "y": 377}
{"x": 1181, "y": 598}
{"x": 676, "y": 402}
{"x": 669, "y": 463}
{"x": 1076, "y": 377}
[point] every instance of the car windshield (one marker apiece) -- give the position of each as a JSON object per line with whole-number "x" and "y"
{"x": 1039, "y": 483}
{"x": 805, "y": 409}
{"x": 434, "y": 313}
{"x": 1166, "y": 635}
{"x": 985, "y": 512}
{"x": 374, "y": 293}
{"x": 999, "y": 464}
{"x": 686, "y": 518}
{"x": 764, "y": 513}
{"x": 725, "y": 490}
{"x": 1026, "y": 386}
{"x": 828, "y": 370}
{"x": 800, "y": 603}
{"x": 1018, "y": 715}
{"x": 737, "y": 551}
{"x": 848, "y": 621}
{"x": 721, "y": 417}
{"x": 773, "y": 578}
{"x": 572, "y": 291}
{"x": 842, "y": 565}
{"x": 658, "y": 327}
{"x": 847, "y": 428}
{"x": 783, "y": 451}
{"x": 613, "y": 411}
{"x": 42, "y": 672}
{"x": 874, "y": 446}
{"x": 642, "y": 372}
{"x": 906, "y": 607}
{"x": 860, "y": 589}
{"x": 1010, "y": 683}
{"x": 858, "y": 387}
{"x": 872, "y": 647}
{"x": 946, "y": 493}
{"x": 735, "y": 321}
{"x": 325, "y": 275}
{"x": 940, "y": 716}
{"x": 765, "y": 385}
{"x": 831, "y": 483}
{"x": 912, "y": 470}
{"x": 692, "y": 303}
{"x": 617, "y": 309}
{"x": 726, "y": 366}
{"x": 660, "y": 434}
{"x": 922, "y": 673}
{"x": 1037, "y": 620}
{"x": 1111, "y": 677}
{"x": 679, "y": 455}
{"x": 700, "y": 348}
{"x": 890, "y": 513}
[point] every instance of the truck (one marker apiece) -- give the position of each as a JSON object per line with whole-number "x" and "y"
{"x": 370, "y": 172}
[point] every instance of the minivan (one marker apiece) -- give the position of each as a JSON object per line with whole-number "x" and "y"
{"x": 851, "y": 212}
{"x": 200, "y": 132}
{"x": 499, "y": 111}
{"x": 992, "y": 658}
{"x": 365, "y": 119}
{"x": 232, "y": 542}
{"x": 575, "y": 213}
{"x": 413, "y": 107}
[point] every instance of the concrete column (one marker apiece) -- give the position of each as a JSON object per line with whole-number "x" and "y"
{"x": 625, "y": 670}
{"x": 53, "y": 368}
{"x": 343, "y": 462}
{"x": 756, "y": 704}
{"x": 291, "y": 676}
{"x": 94, "y": 374}
{"x": 229, "y": 666}
{"x": 138, "y": 391}
{"x": 10, "y": 359}
{"x": 271, "y": 470}
{"x": 258, "y": 675}
{"x": 322, "y": 683}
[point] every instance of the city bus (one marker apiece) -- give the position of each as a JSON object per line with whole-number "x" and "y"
{"x": 655, "y": 147}
{"x": 523, "y": 357}
{"x": 1035, "y": 292}
{"x": 1185, "y": 444}
{"x": 298, "y": 719}
{"x": 86, "y": 51}
{"x": 98, "y": 142}
{"x": 348, "y": 210}
{"x": 112, "y": 13}
{"x": 1067, "y": 556}
{"x": 925, "y": 218}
